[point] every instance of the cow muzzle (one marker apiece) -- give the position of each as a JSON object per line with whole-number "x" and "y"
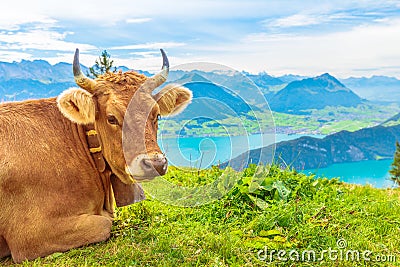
{"x": 148, "y": 166}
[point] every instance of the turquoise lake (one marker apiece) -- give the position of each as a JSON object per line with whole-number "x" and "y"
{"x": 374, "y": 172}
{"x": 203, "y": 152}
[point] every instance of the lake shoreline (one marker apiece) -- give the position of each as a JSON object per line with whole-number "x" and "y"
{"x": 203, "y": 152}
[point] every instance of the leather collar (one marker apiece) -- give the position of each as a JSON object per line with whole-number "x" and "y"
{"x": 95, "y": 147}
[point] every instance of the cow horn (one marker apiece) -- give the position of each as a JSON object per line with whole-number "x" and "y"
{"x": 155, "y": 81}
{"x": 80, "y": 78}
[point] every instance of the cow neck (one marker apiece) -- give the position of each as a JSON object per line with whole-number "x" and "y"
{"x": 95, "y": 149}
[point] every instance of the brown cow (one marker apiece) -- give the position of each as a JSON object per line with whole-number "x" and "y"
{"x": 62, "y": 165}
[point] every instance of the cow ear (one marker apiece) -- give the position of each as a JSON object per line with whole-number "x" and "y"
{"x": 173, "y": 99}
{"x": 77, "y": 105}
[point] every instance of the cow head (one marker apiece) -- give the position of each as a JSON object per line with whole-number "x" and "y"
{"x": 104, "y": 102}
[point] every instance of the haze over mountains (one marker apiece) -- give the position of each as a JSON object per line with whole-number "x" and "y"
{"x": 378, "y": 88}
{"x": 288, "y": 93}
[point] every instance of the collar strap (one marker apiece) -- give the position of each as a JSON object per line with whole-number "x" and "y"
{"x": 91, "y": 132}
{"x": 95, "y": 147}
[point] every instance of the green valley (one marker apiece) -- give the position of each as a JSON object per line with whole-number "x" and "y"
{"x": 335, "y": 119}
{"x": 324, "y": 121}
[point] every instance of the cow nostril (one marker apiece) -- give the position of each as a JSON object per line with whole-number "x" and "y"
{"x": 147, "y": 163}
{"x": 158, "y": 166}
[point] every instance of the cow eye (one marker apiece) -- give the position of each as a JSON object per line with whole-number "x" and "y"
{"x": 157, "y": 118}
{"x": 112, "y": 120}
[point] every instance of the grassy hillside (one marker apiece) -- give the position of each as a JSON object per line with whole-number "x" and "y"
{"x": 287, "y": 211}
{"x": 335, "y": 119}
{"x": 323, "y": 121}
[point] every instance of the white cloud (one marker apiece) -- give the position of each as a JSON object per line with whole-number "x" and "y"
{"x": 102, "y": 11}
{"x": 138, "y": 20}
{"x": 342, "y": 53}
{"x": 296, "y": 21}
{"x": 195, "y": 30}
{"x": 302, "y": 19}
{"x": 41, "y": 40}
{"x": 145, "y": 54}
{"x": 356, "y": 51}
{"x": 15, "y": 23}
{"x": 10, "y": 56}
{"x": 148, "y": 46}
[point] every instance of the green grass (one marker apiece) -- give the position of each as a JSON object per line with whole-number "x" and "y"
{"x": 348, "y": 125}
{"x": 285, "y": 210}
{"x": 253, "y": 122}
{"x": 334, "y": 119}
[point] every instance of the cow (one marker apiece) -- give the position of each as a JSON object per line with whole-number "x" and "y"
{"x": 64, "y": 164}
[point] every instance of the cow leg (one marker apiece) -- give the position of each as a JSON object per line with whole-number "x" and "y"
{"x": 4, "y": 250}
{"x": 62, "y": 235}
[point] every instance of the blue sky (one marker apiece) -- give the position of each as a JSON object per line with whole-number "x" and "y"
{"x": 345, "y": 38}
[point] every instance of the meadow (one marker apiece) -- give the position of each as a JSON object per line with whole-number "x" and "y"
{"x": 314, "y": 121}
{"x": 287, "y": 212}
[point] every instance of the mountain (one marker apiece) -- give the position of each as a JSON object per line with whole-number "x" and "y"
{"x": 268, "y": 84}
{"x": 313, "y": 93}
{"x": 233, "y": 81}
{"x": 395, "y": 120}
{"x": 39, "y": 70}
{"x": 287, "y": 93}
{"x": 210, "y": 100}
{"x": 312, "y": 153}
{"x": 288, "y": 78}
{"x": 375, "y": 88}
{"x": 191, "y": 77}
{"x": 264, "y": 80}
{"x": 21, "y": 89}
{"x": 34, "y": 79}
{"x": 37, "y": 79}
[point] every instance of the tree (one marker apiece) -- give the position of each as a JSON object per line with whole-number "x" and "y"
{"x": 395, "y": 171}
{"x": 102, "y": 65}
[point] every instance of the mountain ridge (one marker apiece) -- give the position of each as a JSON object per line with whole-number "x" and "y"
{"x": 313, "y": 93}
{"x": 312, "y": 153}
{"x": 270, "y": 86}
{"x": 211, "y": 100}
{"x": 376, "y": 87}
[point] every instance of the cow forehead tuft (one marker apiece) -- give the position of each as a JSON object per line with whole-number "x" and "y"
{"x": 126, "y": 78}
